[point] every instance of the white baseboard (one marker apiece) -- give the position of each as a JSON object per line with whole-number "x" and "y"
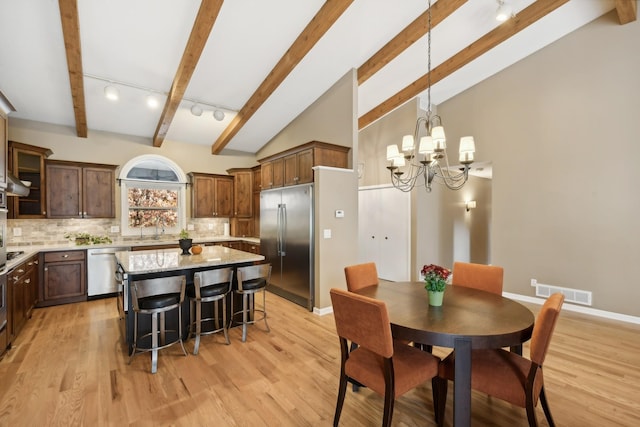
{"x": 577, "y": 308}
{"x": 322, "y": 311}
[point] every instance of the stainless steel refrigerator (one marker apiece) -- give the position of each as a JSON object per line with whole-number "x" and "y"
{"x": 286, "y": 241}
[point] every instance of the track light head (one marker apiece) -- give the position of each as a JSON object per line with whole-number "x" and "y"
{"x": 218, "y": 115}
{"x": 111, "y": 93}
{"x": 196, "y": 110}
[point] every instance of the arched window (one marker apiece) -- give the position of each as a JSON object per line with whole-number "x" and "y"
{"x": 153, "y": 196}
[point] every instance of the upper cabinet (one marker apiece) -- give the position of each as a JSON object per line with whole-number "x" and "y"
{"x": 27, "y": 163}
{"x": 80, "y": 190}
{"x": 295, "y": 166}
{"x": 243, "y": 209}
{"x": 212, "y": 195}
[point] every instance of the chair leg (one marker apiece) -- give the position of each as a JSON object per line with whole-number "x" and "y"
{"x": 440, "y": 388}
{"x": 135, "y": 336}
{"x": 225, "y": 329}
{"x": 342, "y": 389}
{"x": 545, "y": 407}
{"x": 264, "y": 308}
{"x": 198, "y": 323}
{"x": 389, "y": 400}
{"x": 244, "y": 317}
{"x": 531, "y": 410}
{"x": 154, "y": 341}
{"x": 184, "y": 351}
{"x": 354, "y": 387}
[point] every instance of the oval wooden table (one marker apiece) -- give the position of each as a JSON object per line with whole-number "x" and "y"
{"x": 467, "y": 319}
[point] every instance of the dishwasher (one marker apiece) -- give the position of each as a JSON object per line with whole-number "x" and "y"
{"x": 101, "y": 271}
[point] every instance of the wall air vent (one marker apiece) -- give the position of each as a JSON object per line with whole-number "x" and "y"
{"x": 577, "y": 296}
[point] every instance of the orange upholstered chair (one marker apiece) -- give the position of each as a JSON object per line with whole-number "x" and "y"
{"x": 479, "y": 276}
{"x": 361, "y": 275}
{"x": 506, "y": 375}
{"x": 385, "y": 366}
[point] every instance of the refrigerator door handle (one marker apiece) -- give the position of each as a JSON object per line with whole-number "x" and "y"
{"x": 283, "y": 230}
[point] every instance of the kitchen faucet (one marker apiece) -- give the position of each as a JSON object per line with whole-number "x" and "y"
{"x": 159, "y": 220}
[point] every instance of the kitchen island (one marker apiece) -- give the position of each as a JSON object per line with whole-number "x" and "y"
{"x": 149, "y": 264}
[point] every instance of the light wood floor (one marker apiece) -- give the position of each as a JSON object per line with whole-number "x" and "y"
{"x": 68, "y": 367}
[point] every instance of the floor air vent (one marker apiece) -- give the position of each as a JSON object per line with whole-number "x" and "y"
{"x": 570, "y": 295}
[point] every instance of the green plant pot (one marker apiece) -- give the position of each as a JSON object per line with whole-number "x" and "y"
{"x": 435, "y": 298}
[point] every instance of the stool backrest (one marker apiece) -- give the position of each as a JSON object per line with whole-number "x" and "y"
{"x": 202, "y": 279}
{"x": 253, "y": 272}
{"x": 159, "y": 286}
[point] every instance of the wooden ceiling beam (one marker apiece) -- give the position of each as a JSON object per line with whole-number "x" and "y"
{"x": 412, "y": 33}
{"x": 207, "y": 15}
{"x": 315, "y": 29}
{"x": 73, "y": 49}
{"x": 522, "y": 20}
{"x": 627, "y": 11}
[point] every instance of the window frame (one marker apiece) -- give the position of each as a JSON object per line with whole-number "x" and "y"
{"x": 129, "y": 183}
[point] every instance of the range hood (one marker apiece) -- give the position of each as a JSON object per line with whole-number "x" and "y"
{"x": 15, "y": 187}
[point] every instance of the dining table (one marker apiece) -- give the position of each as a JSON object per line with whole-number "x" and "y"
{"x": 467, "y": 319}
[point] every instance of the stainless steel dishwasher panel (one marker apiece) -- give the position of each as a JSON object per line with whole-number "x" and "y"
{"x": 101, "y": 271}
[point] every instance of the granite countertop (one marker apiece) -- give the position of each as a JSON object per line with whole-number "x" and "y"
{"x": 30, "y": 250}
{"x": 158, "y": 260}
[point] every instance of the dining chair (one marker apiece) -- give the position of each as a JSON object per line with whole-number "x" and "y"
{"x": 478, "y": 276}
{"x": 507, "y": 375}
{"x": 379, "y": 362}
{"x": 361, "y": 275}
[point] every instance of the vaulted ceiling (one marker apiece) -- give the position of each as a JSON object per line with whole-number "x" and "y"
{"x": 260, "y": 62}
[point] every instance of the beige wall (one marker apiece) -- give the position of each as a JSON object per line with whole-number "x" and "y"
{"x": 334, "y": 191}
{"x": 329, "y": 119}
{"x": 561, "y": 128}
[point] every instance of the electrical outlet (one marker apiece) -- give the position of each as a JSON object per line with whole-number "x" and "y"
{"x": 210, "y": 226}
{"x": 115, "y": 229}
{"x": 190, "y": 227}
{"x": 17, "y": 231}
{"x": 534, "y": 283}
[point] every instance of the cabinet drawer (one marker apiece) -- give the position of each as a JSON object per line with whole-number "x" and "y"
{"x": 63, "y": 256}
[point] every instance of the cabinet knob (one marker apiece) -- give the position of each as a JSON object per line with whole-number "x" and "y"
{"x": 20, "y": 271}
{"x": 65, "y": 256}
{"x": 26, "y": 282}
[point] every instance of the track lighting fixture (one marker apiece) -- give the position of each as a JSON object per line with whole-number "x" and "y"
{"x": 152, "y": 101}
{"x": 196, "y": 110}
{"x": 219, "y": 115}
{"x": 504, "y": 11}
{"x": 111, "y": 92}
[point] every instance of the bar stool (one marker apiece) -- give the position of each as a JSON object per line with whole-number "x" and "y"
{"x": 156, "y": 297}
{"x": 211, "y": 286}
{"x": 252, "y": 279}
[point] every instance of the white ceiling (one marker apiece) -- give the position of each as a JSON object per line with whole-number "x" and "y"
{"x": 141, "y": 42}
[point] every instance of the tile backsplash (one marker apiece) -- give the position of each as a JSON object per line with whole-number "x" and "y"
{"x": 22, "y": 232}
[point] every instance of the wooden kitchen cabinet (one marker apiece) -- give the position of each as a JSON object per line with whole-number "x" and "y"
{"x": 211, "y": 196}
{"x": 27, "y": 163}
{"x": 257, "y": 186}
{"x": 296, "y": 164}
{"x": 272, "y": 174}
{"x": 64, "y": 278}
{"x": 242, "y": 221}
{"x": 254, "y": 248}
{"x": 80, "y": 190}
{"x": 22, "y": 282}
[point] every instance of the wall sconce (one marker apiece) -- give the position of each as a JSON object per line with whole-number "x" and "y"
{"x": 471, "y": 204}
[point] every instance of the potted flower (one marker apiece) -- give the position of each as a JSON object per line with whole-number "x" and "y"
{"x": 435, "y": 282}
{"x": 185, "y": 242}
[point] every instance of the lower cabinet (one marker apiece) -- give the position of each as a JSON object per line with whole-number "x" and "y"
{"x": 254, "y": 248}
{"x": 22, "y": 286}
{"x": 64, "y": 278}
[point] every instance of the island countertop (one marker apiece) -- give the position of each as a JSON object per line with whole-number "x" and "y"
{"x": 160, "y": 260}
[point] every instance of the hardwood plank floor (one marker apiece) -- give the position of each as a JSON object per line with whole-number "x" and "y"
{"x": 68, "y": 367}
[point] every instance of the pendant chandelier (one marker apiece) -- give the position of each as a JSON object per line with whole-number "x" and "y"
{"x": 428, "y": 159}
